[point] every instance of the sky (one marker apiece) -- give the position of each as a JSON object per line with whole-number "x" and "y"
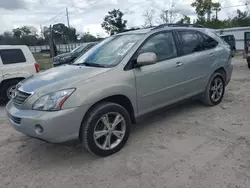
{"x": 87, "y": 15}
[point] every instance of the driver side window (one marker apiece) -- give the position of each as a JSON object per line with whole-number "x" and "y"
{"x": 162, "y": 44}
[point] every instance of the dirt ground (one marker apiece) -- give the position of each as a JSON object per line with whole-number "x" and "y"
{"x": 190, "y": 146}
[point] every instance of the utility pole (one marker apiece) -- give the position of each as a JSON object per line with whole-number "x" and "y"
{"x": 67, "y": 15}
{"x": 51, "y": 43}
{"x": 41, "y": 28}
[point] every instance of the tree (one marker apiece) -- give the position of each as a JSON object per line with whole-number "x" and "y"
{"x": 113, "y": 23}
{"x": 62, "y": 34}
{"x": 241, "y": 19}
{"x": 168, "y": 16}
{"x": 185, "y": 20}
{"x": 87, "y": 37}
{"x": 204, "y": 8}
{"x": 148, "y": 17}
{"x": 24, "y": 31}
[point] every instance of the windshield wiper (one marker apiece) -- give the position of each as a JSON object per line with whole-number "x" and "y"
{"x": 92, "y": 65}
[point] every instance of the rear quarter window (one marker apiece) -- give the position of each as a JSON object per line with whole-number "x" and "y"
{"x": 11, "y": 56}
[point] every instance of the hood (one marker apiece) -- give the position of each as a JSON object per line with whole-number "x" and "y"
{"x": 62, "y": 77}
{"x": 58, "y": 57}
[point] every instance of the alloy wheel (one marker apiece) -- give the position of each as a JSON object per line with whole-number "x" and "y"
{"x": 11, "y": 92}
{"x": 217, "y": 89}
{"x": 109, "y": 131}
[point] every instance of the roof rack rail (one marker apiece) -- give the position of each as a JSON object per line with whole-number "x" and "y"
{"x": 136, "y": 28}
{"x": 178, "y": 25}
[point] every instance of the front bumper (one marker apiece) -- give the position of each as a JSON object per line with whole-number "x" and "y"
{"x": 229, "y": 71}
{"x": 58, "y": 126}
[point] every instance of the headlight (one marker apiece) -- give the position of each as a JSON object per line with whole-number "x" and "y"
{"x": 52, "y": 101}
{"x": 66, "y": 58}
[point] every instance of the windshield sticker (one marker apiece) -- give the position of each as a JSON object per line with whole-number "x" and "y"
{"x": 125, "y": 48}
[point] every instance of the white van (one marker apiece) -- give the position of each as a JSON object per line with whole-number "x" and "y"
{"x": 16, "y": 63}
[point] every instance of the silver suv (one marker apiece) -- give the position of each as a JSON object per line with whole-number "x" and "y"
{"x": 127, "y": 75}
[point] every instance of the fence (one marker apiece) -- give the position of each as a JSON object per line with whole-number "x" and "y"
{"x": 60, "y": 47}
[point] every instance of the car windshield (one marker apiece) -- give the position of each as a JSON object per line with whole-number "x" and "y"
{"x": 79, "y": 48}
{"x": 109, "y": 52}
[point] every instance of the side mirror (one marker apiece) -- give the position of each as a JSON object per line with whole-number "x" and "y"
{"x": 148, "y": 58}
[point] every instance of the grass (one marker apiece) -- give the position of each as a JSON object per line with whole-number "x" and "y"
{"x": 44, "y": 61}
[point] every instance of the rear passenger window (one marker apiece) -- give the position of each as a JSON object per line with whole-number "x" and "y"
{"x": 189, "y": 42}
{"x": 207, "y": 42}
{"x": 10, "y": 56}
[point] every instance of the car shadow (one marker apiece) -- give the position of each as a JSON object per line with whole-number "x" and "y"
{"x": 43, "y": 153}
{"x": 166, "y": 113}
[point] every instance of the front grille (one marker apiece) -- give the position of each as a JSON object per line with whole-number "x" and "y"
{"x": 20, "y": 98}
{"x": 15, "y": 119}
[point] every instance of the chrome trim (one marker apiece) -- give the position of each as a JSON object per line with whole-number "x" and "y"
{"x": 29, "y": 93}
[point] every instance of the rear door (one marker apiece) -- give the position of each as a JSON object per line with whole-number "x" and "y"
{"x": 198, "y": 58}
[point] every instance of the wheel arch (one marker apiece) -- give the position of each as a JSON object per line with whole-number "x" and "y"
{"x": 122, "y": 100}
{"x": 223, "y": 72}
{"x": 8, "y": 80}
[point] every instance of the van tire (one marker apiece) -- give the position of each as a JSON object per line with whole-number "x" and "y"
{"x": 233, "y": 52}
{"x": 90, "y": 123}
{"x": 207, "y": 98}
{"x": 5, "y": 88}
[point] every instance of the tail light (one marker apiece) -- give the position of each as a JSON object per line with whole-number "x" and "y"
{"x": 37, "y": 67}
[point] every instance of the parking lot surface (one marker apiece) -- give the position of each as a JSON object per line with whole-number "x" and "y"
{"x": 189, "y": 146}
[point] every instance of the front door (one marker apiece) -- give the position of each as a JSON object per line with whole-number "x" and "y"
{"x": 159, "y": 84}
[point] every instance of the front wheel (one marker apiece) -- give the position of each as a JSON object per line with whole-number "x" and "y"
{"x": 105, "y": 129}
{"x": 8, "y": 89}
{"x": 215, "y": 90}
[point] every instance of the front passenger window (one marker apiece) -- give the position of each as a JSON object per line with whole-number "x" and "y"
{"x": 162, "y": 44}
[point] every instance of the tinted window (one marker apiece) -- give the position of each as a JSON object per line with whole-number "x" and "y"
{"x": 190, "y": 42}
{"x": 208, "y": 42}
{"x": 162, "y": 44}
{"x": 10, "y": 56}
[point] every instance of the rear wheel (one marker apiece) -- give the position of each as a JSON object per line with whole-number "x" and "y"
{"x": 8, "y": 89}
{"x": 215, "y": 90}
{"x": 233, "y": 52}
{"x": 105, "y": 129}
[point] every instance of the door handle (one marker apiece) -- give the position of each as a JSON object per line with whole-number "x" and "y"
{"x": 179, "y": 64}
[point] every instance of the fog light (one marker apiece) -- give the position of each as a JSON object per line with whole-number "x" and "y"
{"x": 38, "y": 129}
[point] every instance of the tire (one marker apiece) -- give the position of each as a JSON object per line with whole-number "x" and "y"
{"x": 94, "y": 121}
{"x": 248, "y": 64}
{"x": 6, "y": 87}
{"x": 210, "y": 89}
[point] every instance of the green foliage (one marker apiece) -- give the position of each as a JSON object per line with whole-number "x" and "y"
{"x": 205, "y": 7}
{"x": 113, "y": 23}
{"x": 28, "y": 35}
{"x": 242, "y": 19}
{"x": 87, "y": 37}
{"x": 185, "y": 20}
{"x": 63, "y": 34}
